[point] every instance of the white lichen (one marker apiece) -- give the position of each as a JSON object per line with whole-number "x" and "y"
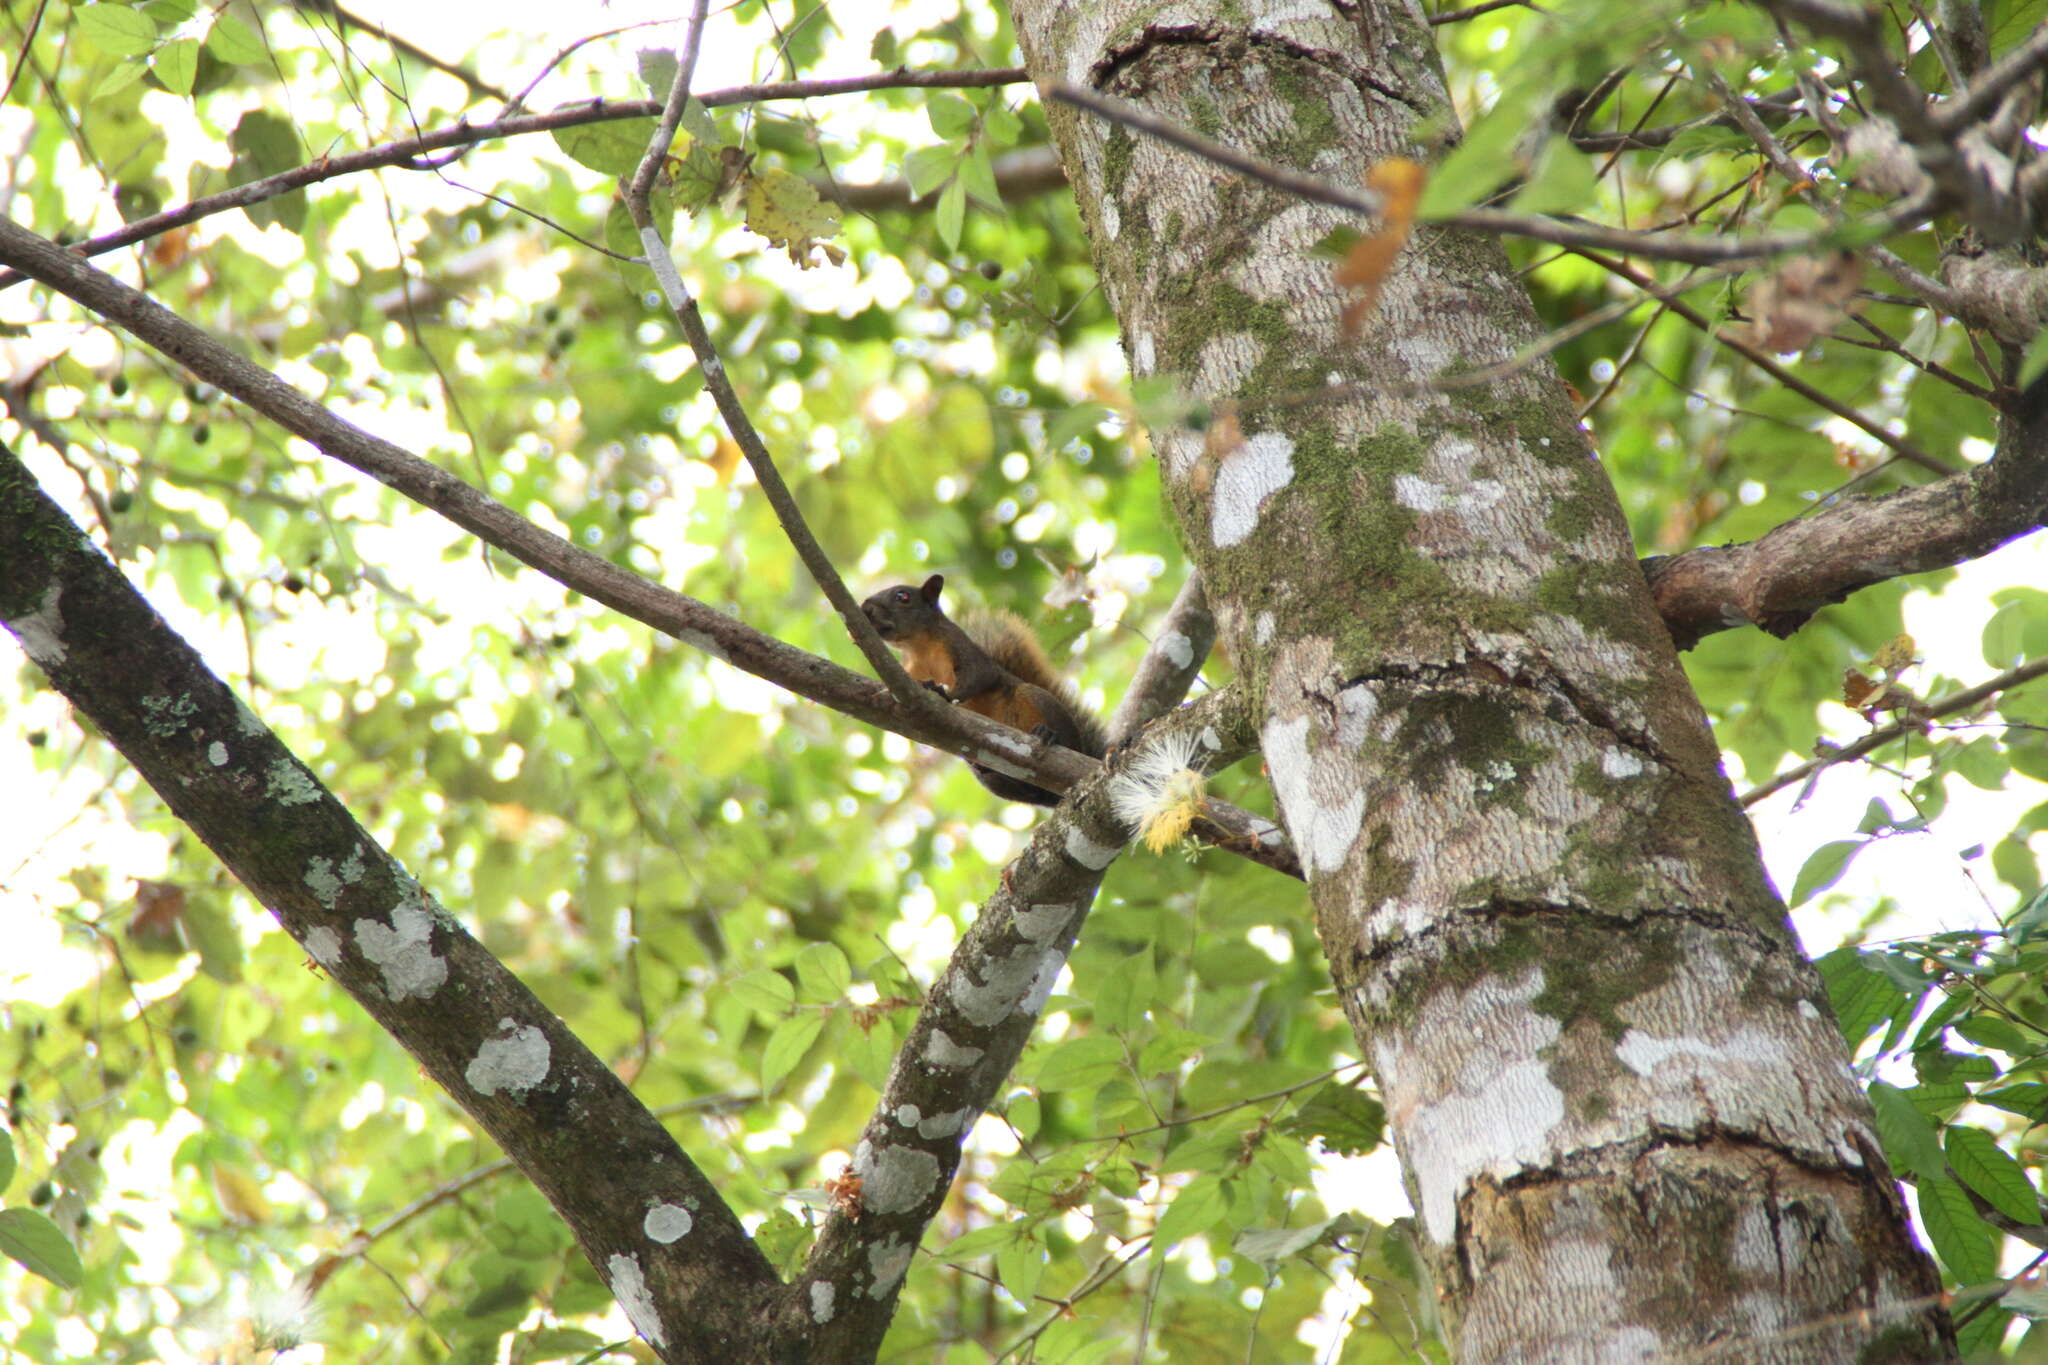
{"x": 667, "y": 1223}
{"x": 515, "y": 1063}
{"x": 41, "y": 631}
{"x": 941, "y": 1051}
{"x": 323, "y": 945}
{"x": 629, "y": 1287}
{"x": 403, "y": 951}
{"x": 1087, "y": 852}
{"x": 1261, "y": 466}
{"x": 894, "y": 1179}
{"x": 1318, "y": 793}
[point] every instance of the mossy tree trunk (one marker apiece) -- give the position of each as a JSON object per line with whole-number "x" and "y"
{"x": 1623, "y": 1110}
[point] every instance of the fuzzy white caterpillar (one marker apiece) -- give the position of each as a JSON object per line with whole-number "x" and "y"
{"x": 1161, "y": 789}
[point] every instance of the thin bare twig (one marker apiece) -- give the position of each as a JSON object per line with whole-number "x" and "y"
{"x": 1459, "y": 16}
{"x": 1907, "y": 213}
{"x": 1885, "y": 734}
{"x": 408, "y": 152}
{"x": 1904, "y": 448}
{"x": 737, "y": 421}
{"x": 671, "y": 112}
{"x": 1985, "y": 92}
{"x": 1309, "y": 187}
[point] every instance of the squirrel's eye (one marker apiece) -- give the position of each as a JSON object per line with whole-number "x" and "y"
{"x": 902, "y": 595}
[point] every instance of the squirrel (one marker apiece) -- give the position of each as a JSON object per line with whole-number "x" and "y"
{"x": 994, "y": 667}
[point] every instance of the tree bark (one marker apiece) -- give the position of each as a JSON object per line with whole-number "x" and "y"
{"x": 1624, "y": 1113}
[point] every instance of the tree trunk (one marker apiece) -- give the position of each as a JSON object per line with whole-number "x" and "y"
{"x": 1622, "y": 1106}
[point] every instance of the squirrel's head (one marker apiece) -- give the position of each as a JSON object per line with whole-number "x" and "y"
{"x": 895, "y": 612}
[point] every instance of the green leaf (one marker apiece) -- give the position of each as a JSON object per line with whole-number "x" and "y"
{"x": 266, "y": 144}
{"x": 211, "y": 929}
{"x": 554, "y": 1343}
{"x": 1982, "y": 764}
{"x": 1861, "y": 998}
{"x": 980, "y": 179}
{"x": 34, "y": 1240}
{"x": 7, "y": 1161}
{"x": 1981, "y": 1337}
{"x": 119, "y": 79}
{"x": 1269, "y": 1246}
{"x": 613, "y": 148}
{"x": 2035, "y": 361}
{"x": 952, "y": 117}
{"x": 981, "y": 1241}
{"x": 1965, "y": 1243}
{"x": 1823, "y": 868}
{"x": 657, "y": 72}
{"x": 1073, "y": 424}
{"x": 1999, "y": 1180}
{"x": 234, "y": 42}
{"x": 1020, "y": 1264}
{"x": 1127, "y": 992}
{"x": 117, "y": 29}
{"x": 1988, "y": 1030}
{"x": 1080, "y": 1063}
{"x": 767, "y": 993}
{"x": 1001, "y": 125}
{"x": 823, "y": 973}
{"x": 1200, "y": 1206}
{"x": 2028, "y": 1099}
{"x": 870, "y": 1052}
{"x": 927, "y": 168}
{"x": 1908, "y": 1137}
{"x": 2018, "y": 630}
{"x": 787, "y": 1045}
{"x": 176, "y": 63}
{"x": 1347, "y": 1120}
{"x": 1564, "y": 181}
{"x": 1168, "y": 1049}
{"x": 1025, "y": 1113}
{"x": 951, "y": 212}
{"x": 784, "y": 1239}
{"x": 1480, "y": 165}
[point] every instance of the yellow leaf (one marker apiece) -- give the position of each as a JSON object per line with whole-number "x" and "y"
{"x": 238, "y": 1195}
{"x": 788, "y": 212}
{"x": 1399, "y": 182}
{"x": 1895, "y": 655}
{"x": 725, "y": 458}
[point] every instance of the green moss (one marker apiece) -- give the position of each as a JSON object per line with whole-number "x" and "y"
{"x": 1900, "y": 1346}
{"x": 1569, "y": 519}
{"x": 1116, "y": 161}
{"x": 1315, "y": 122}
{"x": 1386, "y": 877}
{"x": 1585, "y": 980}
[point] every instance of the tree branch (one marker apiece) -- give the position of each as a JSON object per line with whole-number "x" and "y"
{"x": 1180, "y": 644}
{"x": 407, "y": 151}
{"x": 1897, "y": 444}
{"x": 974, "y": 1025}
{"x": 1909, "y": 212}
{"x": 1779, "y": 580}
{"x": 823, "y": 572}
{"x": 953, "y": 729}
{"x": 1885, "y": 734}
{"x": 651, "y": 1223}
{"x": 1956, "y": 178}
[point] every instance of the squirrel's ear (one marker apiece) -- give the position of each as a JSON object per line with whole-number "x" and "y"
{"x": 932, "y": 586}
